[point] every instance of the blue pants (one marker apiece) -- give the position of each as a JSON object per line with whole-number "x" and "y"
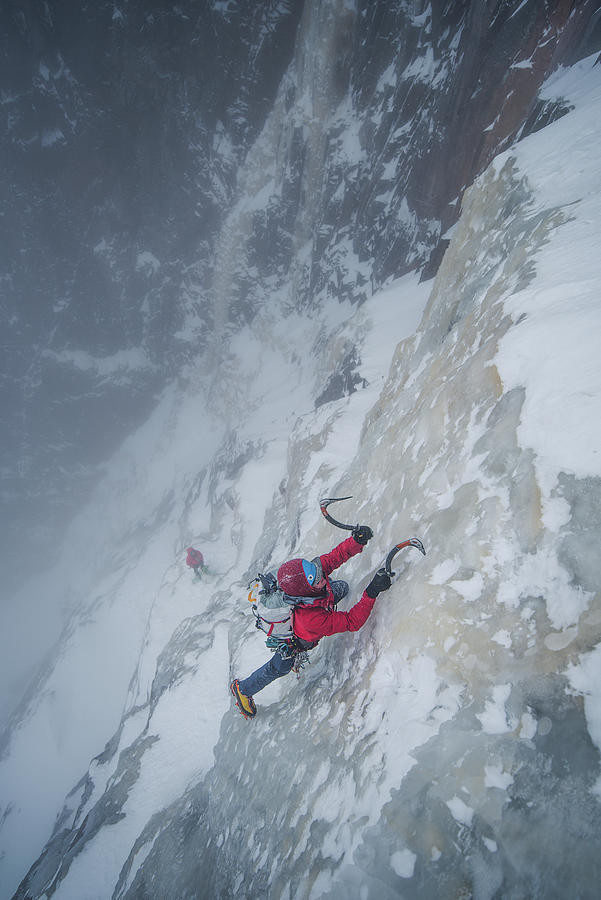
{"x": 273, "y": 668}
{"x": 276, "y": 666}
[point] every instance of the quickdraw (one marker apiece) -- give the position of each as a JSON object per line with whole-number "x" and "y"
{"x": 288, "y": 650}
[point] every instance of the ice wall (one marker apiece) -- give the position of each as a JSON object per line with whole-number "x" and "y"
{"x": 443, "y": 751}
{"x": 451, "y": 747}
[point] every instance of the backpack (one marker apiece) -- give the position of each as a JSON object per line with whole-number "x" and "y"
{"x": 273, "y": 611}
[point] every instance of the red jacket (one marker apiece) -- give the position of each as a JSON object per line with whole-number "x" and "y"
{"x": 194, "y": 557}
{"x": 314, "y": 622}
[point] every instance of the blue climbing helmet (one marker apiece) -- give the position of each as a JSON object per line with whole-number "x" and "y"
{"x": 313, "y": 571}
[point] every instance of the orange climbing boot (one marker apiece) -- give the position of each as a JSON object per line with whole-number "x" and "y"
{"x": 245, "y": 704}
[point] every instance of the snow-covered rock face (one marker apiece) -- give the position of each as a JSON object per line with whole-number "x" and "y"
{"x": 451, "y": 747}
{"x": 144, "y": 215}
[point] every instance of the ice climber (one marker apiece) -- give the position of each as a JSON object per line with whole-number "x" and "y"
{"x": 195, "y": 560}
{"x": 310, "y": 622}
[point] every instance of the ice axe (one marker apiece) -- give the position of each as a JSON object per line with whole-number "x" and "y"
{"x": 323, "y": 505}
{"x": 387, "y": 567}
{"x": 410, "y": 542}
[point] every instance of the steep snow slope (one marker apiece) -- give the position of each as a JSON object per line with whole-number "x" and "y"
{"x": 141, "y": 519}
{"x": 449, "y": 748}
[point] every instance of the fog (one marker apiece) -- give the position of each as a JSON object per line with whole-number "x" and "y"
{"x": 115, "y": 189}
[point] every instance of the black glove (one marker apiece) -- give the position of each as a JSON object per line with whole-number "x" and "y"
{"x": 380, "y": 582}
{"x": 362, "y": 534}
